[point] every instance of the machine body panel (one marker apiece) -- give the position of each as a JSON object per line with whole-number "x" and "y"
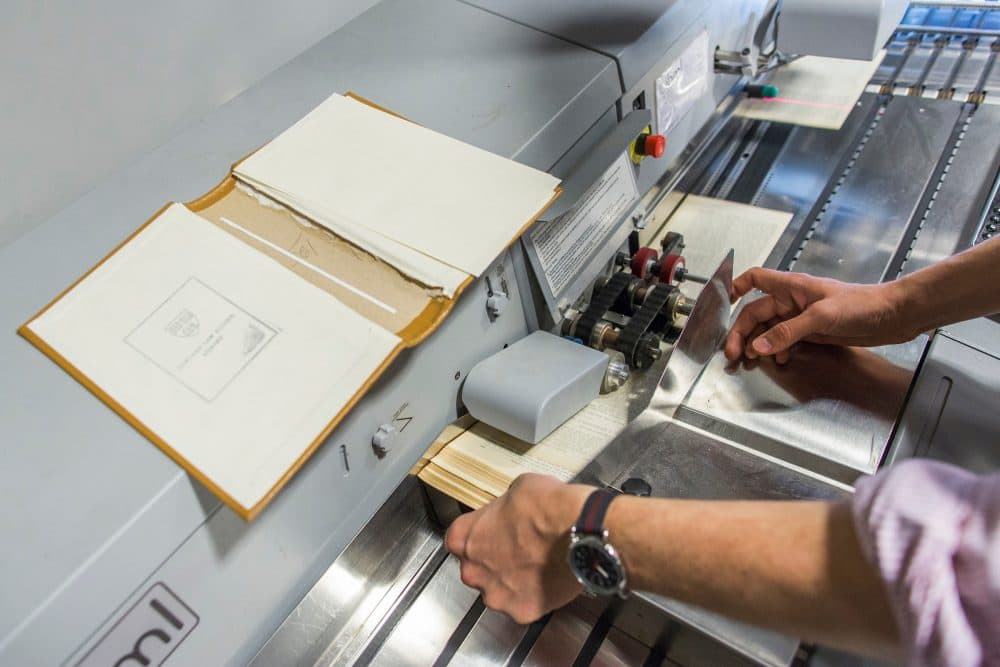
{"x": 103, "y": 523}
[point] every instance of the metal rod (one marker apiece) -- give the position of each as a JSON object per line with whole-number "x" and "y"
{"x": 685, "y": 305}
{"x": 982, "y": 4}
{"x": 932, "y": 30}
{"x": 694, "y": 278}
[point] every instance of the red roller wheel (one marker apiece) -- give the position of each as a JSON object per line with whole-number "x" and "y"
{"x": 641, "y": 262}
{"x": 669, "y": 266}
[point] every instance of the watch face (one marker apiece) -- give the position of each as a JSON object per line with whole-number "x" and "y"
{"x": 597, "y": 566}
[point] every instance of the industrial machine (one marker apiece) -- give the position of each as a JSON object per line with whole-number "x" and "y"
{"x": 112, "y": 555}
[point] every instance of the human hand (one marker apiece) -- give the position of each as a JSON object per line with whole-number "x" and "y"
{"x": 800, "y": 307}
{"x": 514, "y": 549}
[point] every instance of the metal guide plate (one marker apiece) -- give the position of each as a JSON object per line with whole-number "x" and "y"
{"x": 952, "y": 221}
{"x": 861, "y": 228}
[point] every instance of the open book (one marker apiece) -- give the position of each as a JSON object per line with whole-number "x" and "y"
{"x": 237, "y": 331}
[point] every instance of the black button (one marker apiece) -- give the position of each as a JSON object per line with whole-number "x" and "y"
{"x": 991, "y": 228}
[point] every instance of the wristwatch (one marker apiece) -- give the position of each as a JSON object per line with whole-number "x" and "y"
{"x": 594, "y": 562}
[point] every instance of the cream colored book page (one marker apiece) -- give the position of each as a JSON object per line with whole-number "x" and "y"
{"x": 813, "y": 91}
{"x": 425, "y": 270}
{"x": 712, "y": 226}
{"x": 356, "y": 166}
{"x": 232, "y": 360}
{"x": 491, "y": 460}
{"x": 461, "y": 490}
{"x": 563, "y": 453}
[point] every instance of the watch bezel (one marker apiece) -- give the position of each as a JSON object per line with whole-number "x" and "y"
{"x": 599, "y": 542}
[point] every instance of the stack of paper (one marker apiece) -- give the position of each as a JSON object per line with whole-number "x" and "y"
{"x": 479, "y": 464}
{"x": 438, "y": 209}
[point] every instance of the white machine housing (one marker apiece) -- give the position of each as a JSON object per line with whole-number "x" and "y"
{"x": 854, "y": 29}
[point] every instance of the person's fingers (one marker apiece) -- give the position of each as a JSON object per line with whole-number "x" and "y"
{"x": 782, "y": 357}
{"x": 496, "y": 598}
{"x": 733, "y": 348}
{"x": 758, "y": 330}
{"x": 766, "y": 280}
{"x": 525, "y": 613}
{"x": 823, "y": 339}
{"x": 742, "y": 284}
{"x": 784, "y": 334}
{"x": 457, "y": 536}
{"x": 473, "y": 575}
{"x": 752, "y": 315}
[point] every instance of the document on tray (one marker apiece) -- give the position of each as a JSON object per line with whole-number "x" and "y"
{"x": 814, "y": 92}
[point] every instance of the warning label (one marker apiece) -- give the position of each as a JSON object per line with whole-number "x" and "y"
{"x": 563, "y": 246}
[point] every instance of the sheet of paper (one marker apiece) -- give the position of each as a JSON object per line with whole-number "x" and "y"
{"x": 232, "y": 360}
{"x": 353, "y": 166}
{"x": 814, "y": 91}
{"x": 712, "y": 226}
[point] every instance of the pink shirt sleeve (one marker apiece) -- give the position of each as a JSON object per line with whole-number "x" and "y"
{"x": 933, "y": 533}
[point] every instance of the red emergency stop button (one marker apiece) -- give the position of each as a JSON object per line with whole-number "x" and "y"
{"x": 650, "y": 145}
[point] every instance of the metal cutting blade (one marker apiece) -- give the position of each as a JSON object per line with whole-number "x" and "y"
{"x": 706, "y": 326}
{"x": 701, "y": 338}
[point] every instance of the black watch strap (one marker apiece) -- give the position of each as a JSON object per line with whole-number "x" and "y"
{"x": 591, "y": 521}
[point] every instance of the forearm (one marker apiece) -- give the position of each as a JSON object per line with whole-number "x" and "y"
{"x": 794, "y": 567}
{"x": 961, "y": 287}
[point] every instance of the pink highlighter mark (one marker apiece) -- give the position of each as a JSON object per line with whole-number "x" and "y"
{"x": 805, "y": 103}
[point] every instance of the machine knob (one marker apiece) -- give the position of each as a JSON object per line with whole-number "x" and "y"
{"x": 647, "y": 352}
{"x": 616, "y": 375}
{"x": 643, "y": 261}
{"x": 495, "y": 304}
{"x": 650, "y": 145}
{"x": 670, "y": 267}
{"x": 758, "y": 91}
{"x": 383, "y": 439}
